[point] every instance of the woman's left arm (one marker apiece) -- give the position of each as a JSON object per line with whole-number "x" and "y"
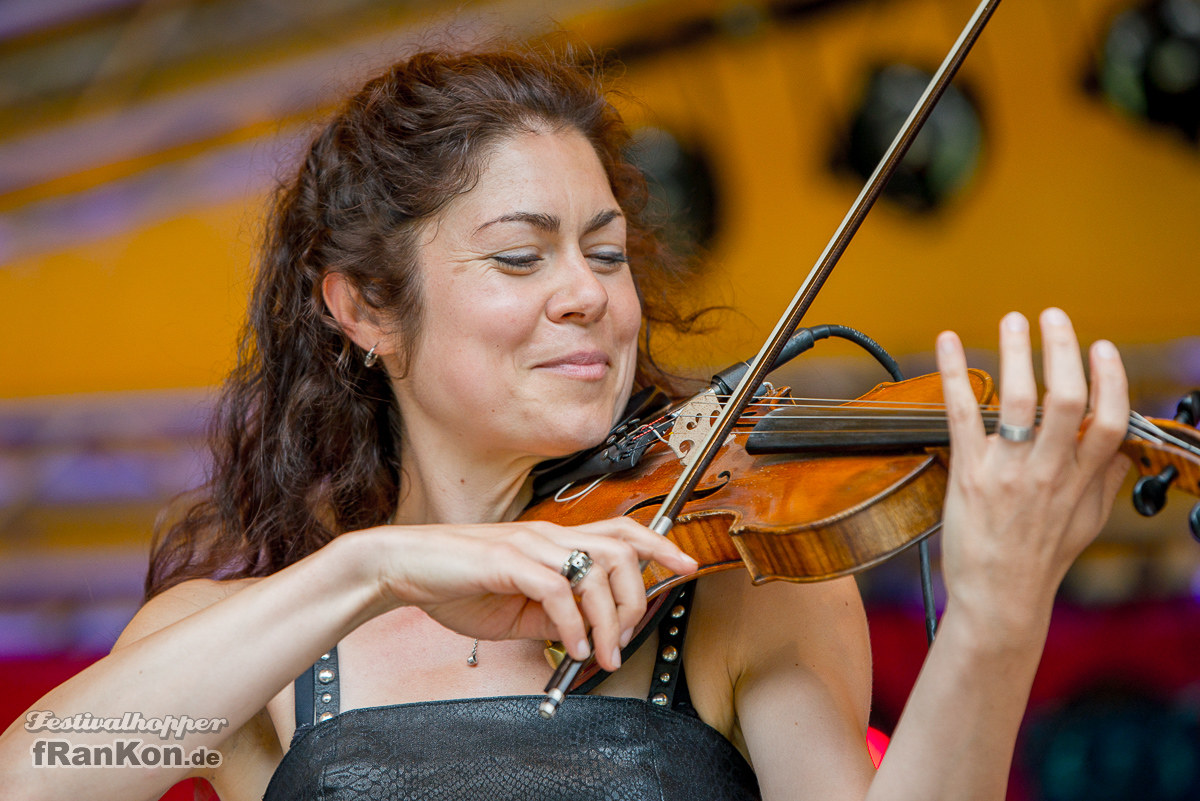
{"x": 800, "y": 669}
{"x": 802, "y": 691}
{"x": 1017, "y": 515}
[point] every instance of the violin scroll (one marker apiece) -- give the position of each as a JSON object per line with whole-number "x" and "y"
{"x": 1167, "y": 454}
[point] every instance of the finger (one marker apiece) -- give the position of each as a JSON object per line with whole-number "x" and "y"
{"x": 1018, "y": 389}
{"x": 967, "y": 438}
{"x": 593, "y": 588}
{"x": 541, "y": 569}
{"x": 1114, "y": 478}
{"x": 617, "y": 560}
{"x": 547, "y": 588}
{"x": 669, "y": 555}
{"x": 1066, "y": 388}
{"x": 1096, "y": 499}
{"x": 628, "y": 590}
{"x": 595, "y": 597}
{"x": 1110, "y": 406}
{"x": 648, "y": 544}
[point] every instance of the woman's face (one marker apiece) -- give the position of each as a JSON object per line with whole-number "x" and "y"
{"x": 529, "y": 338}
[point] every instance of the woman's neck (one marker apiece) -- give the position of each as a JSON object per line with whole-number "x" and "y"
{"x": 439, "y": 484}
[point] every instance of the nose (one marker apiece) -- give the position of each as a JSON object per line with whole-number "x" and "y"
{"x": 579, "y": 296}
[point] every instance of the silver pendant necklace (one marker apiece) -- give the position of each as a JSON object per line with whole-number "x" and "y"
{"x": 473, "y": 659}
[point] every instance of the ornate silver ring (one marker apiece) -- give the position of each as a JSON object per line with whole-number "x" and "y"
{"x": 576, "y": 567}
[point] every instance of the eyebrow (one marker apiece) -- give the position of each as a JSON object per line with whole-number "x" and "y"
{"x": 549, "y": 223}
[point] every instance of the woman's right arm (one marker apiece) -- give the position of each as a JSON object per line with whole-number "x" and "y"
{"x": 206, "y": 651}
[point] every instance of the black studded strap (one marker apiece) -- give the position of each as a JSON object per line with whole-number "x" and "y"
{"x": 318, "y": 697}
{"x": 668, "y": 687}
{"x": 317, "y": 694}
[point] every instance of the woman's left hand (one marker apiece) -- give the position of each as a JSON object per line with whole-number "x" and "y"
{"x": 1018, "y": 513}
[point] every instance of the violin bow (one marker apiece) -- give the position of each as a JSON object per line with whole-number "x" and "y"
{"x": 664, "y": 519}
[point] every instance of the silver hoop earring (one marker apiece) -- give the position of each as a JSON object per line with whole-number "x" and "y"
{"x": 371, "y": 357}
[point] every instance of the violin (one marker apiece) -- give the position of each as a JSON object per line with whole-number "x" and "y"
{"x": 806, "y": 490}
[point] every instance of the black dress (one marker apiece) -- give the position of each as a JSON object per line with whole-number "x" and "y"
{"x": 496, "y": 749}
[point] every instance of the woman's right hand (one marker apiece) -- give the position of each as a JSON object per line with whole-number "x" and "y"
{"x": 505, "y": 581}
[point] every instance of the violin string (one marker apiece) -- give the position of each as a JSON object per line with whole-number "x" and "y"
{"x": 870, "y": 411}
{"x": 784, "y": 402}
{"x": 1134, "y": 431}
{"x": 930, "y": 412}
{"x": 1139, "y": 426}
{"x": 1150, "y": 434}
{"x": 880, "y": 406}
{"x": 933, "y": 410}
{"x": 826, "y": 403}
{"x": 1156, "y": 434}
{"x": 937, "y": 413}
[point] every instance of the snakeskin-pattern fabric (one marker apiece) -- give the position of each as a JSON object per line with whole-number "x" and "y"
{"x": 494, "y": 749}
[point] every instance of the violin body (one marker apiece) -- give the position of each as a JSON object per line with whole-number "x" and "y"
{"x": 796, "y": 517}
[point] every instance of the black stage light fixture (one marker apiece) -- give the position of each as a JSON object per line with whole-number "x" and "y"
{"x": 683, "y": 196}
{"x": 941, "y": 159}
{"x": 1150, "y": 64}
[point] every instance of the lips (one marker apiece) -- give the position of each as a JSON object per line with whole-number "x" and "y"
{"x": 587, "y": 365}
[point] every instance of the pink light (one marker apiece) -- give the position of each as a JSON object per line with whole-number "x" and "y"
{"x": 877, "y": 743}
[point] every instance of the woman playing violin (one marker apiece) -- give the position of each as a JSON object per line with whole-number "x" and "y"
{"x": 455, "y": 287}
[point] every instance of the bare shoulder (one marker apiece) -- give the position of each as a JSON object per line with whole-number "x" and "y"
{"x": 769, "y": 661}
{"x": 175, "y": 604}
{"x": 759, "y": 623}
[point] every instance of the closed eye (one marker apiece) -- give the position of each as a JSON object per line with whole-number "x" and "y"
{"x": 613, "y": 258}
{"x": 520, "y": 262}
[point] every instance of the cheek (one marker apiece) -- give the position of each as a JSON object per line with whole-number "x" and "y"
{"x": 627, "y": 317}
{"x": 474, "y": 336}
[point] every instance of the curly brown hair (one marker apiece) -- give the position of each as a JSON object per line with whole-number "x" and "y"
{"x": 305, "y": 438}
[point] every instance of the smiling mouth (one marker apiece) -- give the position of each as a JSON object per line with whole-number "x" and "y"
{"x": 584, "y": 366}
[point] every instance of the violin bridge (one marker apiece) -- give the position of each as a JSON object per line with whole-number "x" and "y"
{"x": 693, "y": 422}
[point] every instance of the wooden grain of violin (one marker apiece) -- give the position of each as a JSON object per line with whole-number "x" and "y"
{"x": 808, "y": 491}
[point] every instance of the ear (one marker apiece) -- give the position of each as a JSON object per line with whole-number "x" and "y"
{"x": 346, "y": 306}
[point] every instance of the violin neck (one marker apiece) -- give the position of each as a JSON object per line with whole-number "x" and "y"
{"x": 849, "y": 430}
{"x": 853, "y": 429}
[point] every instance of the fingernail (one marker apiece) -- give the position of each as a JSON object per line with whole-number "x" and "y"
{"x": 1105, "y": 349}
{"x": 1015, "y": 322}
{"x": 583, "y": 649}
{"x": 694, "y": 563}
{"x": 1055, "y": 316}
{"x": 616, "y": 657}
{"x": 626, "y": 636}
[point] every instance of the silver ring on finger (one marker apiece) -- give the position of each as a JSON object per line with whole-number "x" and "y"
{"x": 576, "y": 567}
{"x": 1011, "y": 433}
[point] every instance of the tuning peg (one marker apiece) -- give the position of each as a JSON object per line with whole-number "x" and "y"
{"x": 1188, "y": 410}
{"x": 1150, "y": 492}
{"x": 1194, "y": 522}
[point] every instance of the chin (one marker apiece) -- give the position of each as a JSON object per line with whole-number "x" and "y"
{"x": 567, "y": 445}
{"x": 560, "y": 438}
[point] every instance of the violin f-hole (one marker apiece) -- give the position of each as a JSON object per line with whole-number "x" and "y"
{"x": 699, "y": 493}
